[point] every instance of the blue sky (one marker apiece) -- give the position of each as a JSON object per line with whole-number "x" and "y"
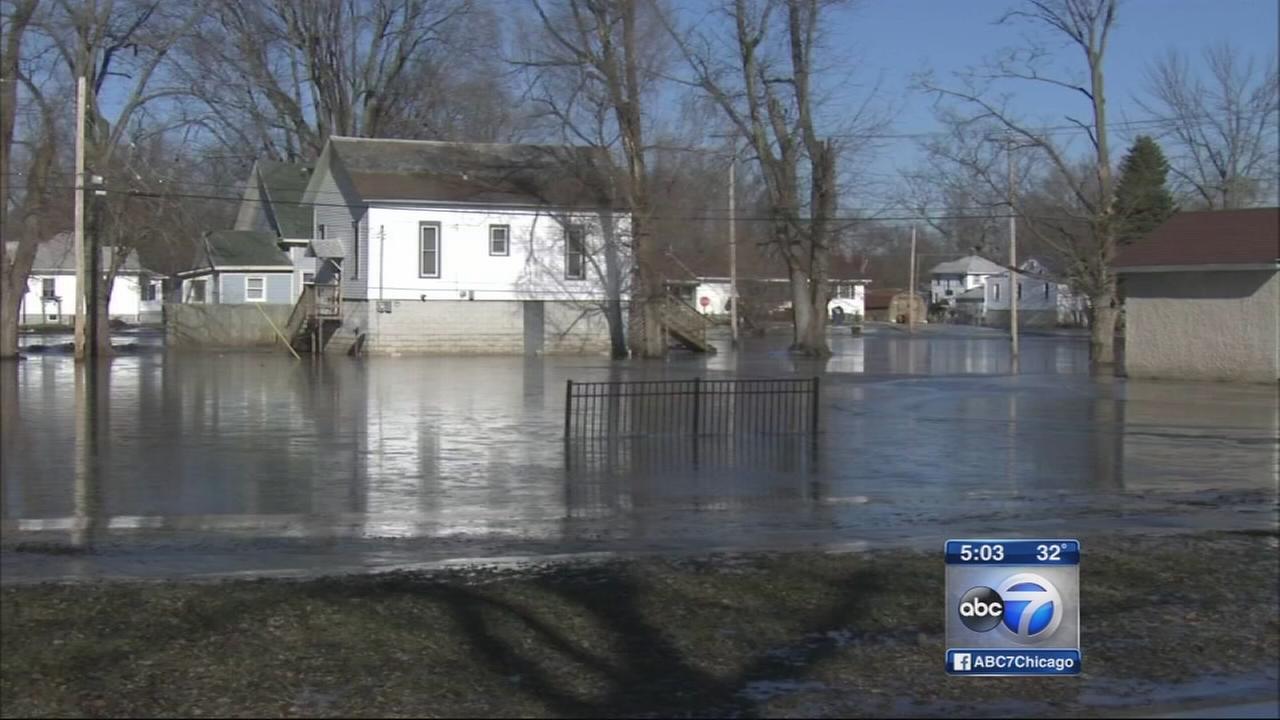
{"x": 901, "y": 37}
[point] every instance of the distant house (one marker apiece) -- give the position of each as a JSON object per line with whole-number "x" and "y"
{"x": 950, "y": 279}
{"x": 1043, "y": 299}
{"x": 893, "y": 305}
{"x": 238, "y": 266}
{"x": 273, "y": 203}
{"x": 706, "y": 285}
{"x": 51, "y": 286}
{"x": 1202, "y": 297}
{"x": 455, "y": 247}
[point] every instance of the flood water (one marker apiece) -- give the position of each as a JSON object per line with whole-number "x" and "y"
{"x": 191, "y": 464}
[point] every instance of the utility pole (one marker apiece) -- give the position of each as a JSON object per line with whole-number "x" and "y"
{"x": 81, "y": 274}
{"x": 1014, "y": 285}
{"x": 733, "y": 244}
{"x": 911, "y": 298}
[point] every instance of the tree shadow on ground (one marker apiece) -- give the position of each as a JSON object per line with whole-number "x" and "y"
{"x": 631, "y": 664}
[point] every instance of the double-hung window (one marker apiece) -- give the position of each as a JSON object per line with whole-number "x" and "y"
{"x": 255, "y": 289}
{"x": 48, "y": 288}
{"x": 575, "y": 252}
{"x": 499, "y": 239}
{"x": 429, "y": 250}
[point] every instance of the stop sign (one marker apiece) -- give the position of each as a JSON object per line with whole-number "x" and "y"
{"x": 704, "y": 301}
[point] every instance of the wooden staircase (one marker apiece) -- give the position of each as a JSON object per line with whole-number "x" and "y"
{"x": 685, "y": 324}
{"x": 315, "y": 318}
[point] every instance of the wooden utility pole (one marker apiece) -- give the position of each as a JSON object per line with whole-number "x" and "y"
{"x": 81, "y": 266}
{"x": 911, "y": 299}
{"x": 733, "y": 244}
{"x": 1014, "y": 285}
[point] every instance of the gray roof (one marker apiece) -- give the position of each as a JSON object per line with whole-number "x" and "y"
{"x": 57, "y": 255}
{"x": 425, "y": 170}
{"x": 285, "y": 184}
{"x": 969, "y": 265}
{"x": 973, "y": 294}
{"x": 326, "y": 248}
{"x": 229, "y": 249}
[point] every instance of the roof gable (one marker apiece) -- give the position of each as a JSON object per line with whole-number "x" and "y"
{"x": 968, "y": 265}
{"x": 285, "y": 185}
{"x": 1211, "y": 237}
{"x": 57, "y": 254}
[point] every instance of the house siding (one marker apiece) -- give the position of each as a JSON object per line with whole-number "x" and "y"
{"x": 126, "y": 300}
{"x": 1203, "y": 325}
{"x": 335, "y": 209}
{"x": 232, "y": 288}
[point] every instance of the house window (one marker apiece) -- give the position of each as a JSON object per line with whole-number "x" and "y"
{"x": 995, "y": 289}
{"x": 197, "y": 292}
{"x": 255, "y": 289}
{"x": 308, "y": 278}
{"x": 499, "y": 239}
{"x": 575, "y": 253}
{"x": 1046, "y": 291}
{"x": 320, "y": 231}
{"x": 1019, "y": 290}
{"x": 429, "y": 250}
{"x": 47, "y": 288}
{"x": 148, "y": 291}
{"x": 355, "y": 245}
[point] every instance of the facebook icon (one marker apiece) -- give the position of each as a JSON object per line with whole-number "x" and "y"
{"x": 961, "y": 662}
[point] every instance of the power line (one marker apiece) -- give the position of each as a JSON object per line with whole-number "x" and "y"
{"x": 551, "y": 210}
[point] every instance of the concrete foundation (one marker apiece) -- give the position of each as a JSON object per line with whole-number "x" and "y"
{"x": 461, "y": 327}
{"x": 191, "y": 326}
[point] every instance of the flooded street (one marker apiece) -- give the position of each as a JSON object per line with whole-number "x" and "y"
{"x": 209, "y": 465}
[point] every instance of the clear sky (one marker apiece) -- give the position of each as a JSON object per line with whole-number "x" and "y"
{"x": 901, "y": 37}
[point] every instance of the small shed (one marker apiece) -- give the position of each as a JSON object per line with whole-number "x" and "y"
{"x": 1202, "y": 297}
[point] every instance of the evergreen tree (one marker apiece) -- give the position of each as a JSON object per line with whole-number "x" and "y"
{"x": 1143, "y": 200}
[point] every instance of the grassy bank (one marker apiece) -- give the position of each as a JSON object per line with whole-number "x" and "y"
{"x": 793, "y": 634}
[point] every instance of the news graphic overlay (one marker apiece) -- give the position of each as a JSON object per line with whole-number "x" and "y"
{"x": 1013, "y": 607}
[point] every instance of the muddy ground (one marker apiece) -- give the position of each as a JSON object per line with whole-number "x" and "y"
{"x": 1169, "y": 619}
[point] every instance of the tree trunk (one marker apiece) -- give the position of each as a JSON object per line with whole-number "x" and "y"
{"x": 801, "y": 308}
{"x": 1102, "y": 330}
{"x": 9, "y": 303}
{"x": 617, "y": 339}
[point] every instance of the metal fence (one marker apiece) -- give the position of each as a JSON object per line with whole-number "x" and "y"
{"x": 693, "y": 408}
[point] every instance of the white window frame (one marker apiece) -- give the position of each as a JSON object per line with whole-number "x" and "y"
{"x": 48, "y": 288}
{"x": 568, "y": 252}
{"x": 506, "y": 240}
{"x": 145, "y": 287}
{"x": 422, "y": 249}
{"x": 247, "y": 279}
{"x": 308, "y": 281}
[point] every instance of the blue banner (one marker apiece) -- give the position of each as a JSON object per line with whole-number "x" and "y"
{"x": 1058, "y": 551}
{"x": 1000, "y": 661}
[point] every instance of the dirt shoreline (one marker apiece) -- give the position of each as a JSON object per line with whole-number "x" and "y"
{"x": 760, "y": 634}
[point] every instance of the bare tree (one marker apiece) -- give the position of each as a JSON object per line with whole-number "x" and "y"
{"x": 591, "y": 72}
{"x": 278, "y": 77}
{"x": 29, "y": 145}
{"x": 978, "y": 114}
{"x": 1222, "y": 128}
{"x": 765, "y": 87}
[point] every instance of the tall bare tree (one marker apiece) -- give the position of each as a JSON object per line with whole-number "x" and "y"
{"x": 278, "y": 77}
{"x": 765, "y": 87}
{"x": 592, "y": 71}
{"x": 1222, "y": 125}
{"x": 29, "y": 142}
{"x": 976, "y": 113}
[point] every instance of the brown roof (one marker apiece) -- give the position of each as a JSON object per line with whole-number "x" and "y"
{"x": 1213, "y": 237}
{"x": 386, "y": 169}
{"x": 880, "y": 299}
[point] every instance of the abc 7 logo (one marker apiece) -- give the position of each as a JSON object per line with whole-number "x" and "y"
{"x": 1026, "y": 608}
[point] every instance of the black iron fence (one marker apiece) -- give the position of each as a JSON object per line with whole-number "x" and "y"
{"x": 693, "y": 408}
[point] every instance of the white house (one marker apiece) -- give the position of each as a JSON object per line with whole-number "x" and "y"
{"x": 1043, "y": 300}
{"x": 272, "y": 203}
{"x": 453, "y": 247}
{"x": 51, "y": 286}
{"x": 950, "y": 279}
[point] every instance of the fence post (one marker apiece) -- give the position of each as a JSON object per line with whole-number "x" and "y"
{"x": 568, "y": 406}
{"x": 697, "y": 403}
{"x": 814, "y": 404}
